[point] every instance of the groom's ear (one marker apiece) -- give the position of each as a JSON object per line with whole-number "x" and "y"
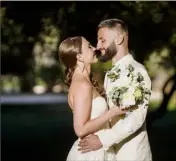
{"x": 120, "y": 39}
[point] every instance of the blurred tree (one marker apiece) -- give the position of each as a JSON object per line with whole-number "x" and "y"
{"x": 47, "y": 70}
{"x": 151, "y": 30}
{"x": 13, "y": 50}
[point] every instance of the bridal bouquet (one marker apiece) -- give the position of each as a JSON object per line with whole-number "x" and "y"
{"x": 130, "y": 90}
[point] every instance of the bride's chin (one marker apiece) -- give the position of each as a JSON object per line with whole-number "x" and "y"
{"x": 95, "y": 60}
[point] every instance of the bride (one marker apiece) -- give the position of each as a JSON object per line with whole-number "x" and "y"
{"x": 85, "y": 98}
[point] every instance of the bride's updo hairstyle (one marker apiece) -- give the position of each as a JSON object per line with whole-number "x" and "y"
{"x": 68, "y": 50}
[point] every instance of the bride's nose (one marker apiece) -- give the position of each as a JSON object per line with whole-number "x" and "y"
{"x": 94, "y": 48}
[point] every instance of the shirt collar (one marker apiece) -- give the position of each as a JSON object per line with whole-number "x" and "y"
{"x": 124, "y": 60}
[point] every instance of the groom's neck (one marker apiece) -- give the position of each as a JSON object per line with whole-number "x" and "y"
{"x": 120, "y": 54}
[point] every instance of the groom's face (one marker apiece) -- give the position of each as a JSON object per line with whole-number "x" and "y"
{"x": 106, "y": 44}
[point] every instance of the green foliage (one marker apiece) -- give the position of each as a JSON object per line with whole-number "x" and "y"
{"x": 10, "y": 83}
{"x": 151, "y": 30}
{"x": 140, "y": 78}
{"x": 131, "y": 68}
{"x": 12, "y": 35}
{"x": 160, "y": 60}
{"x": 47, "y": 67}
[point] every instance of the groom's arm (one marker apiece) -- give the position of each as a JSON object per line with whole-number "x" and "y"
{"x": 130, "y": 124}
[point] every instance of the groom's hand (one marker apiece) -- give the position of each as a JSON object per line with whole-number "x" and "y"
{"x": 90, "y": 143}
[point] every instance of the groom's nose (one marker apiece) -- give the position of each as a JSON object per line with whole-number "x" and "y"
{"x": 98, "y": 46}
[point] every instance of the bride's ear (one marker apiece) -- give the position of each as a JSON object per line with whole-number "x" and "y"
{"x": 79, "y": 57}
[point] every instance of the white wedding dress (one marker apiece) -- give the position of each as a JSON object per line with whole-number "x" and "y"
{"x": 99, "y": 106}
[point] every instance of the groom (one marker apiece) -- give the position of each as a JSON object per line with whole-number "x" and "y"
{"x": 128, "y": 135}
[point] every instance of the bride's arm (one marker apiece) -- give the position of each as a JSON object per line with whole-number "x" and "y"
{"x": 82, "y": 104}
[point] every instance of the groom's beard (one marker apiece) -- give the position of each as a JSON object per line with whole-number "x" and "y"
{"x": 109, "y": 53}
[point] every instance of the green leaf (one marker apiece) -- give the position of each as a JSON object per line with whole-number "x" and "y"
{"x": 140, "y": 78}
{"x": 124, "y": 89}
{"x": 131, "y": 68}
{"x": 118, "y": 70}
{"x": 113, "y": 76}
{"x": 116, "y": 94}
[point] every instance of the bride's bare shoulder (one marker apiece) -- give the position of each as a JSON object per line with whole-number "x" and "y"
{"x": 78, "y": 88}
{"x": 81, "y": 84}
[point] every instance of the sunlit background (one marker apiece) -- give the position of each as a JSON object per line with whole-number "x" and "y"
{"x": 35, "y": 113}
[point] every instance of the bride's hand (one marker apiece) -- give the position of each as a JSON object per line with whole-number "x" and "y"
{"x": 117, "y": 110}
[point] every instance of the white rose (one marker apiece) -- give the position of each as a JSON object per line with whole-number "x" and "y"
{"x": 125, "y": 80}
{"x": 131, "y": 89}
{"x": 138, "y": 93}
{"x": 128, "y": 100}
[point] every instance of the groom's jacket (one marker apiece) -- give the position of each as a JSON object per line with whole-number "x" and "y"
{"x": 128, "y": 135}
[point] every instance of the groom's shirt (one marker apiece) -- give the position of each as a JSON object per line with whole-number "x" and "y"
{"x": 135, "y": 120}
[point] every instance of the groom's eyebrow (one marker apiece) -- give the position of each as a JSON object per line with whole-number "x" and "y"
{"x": 100, "y": 38}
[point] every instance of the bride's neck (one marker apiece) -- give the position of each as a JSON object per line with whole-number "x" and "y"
{"x": 83, "y": 71}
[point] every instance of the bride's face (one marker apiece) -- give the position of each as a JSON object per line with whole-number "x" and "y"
{"x": 88, "y": 53}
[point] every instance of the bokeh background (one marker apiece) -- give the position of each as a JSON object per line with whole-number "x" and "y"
{"x": 36, "y": 122}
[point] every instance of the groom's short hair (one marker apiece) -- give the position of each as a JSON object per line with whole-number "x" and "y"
{"x": 114, "y": 23}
